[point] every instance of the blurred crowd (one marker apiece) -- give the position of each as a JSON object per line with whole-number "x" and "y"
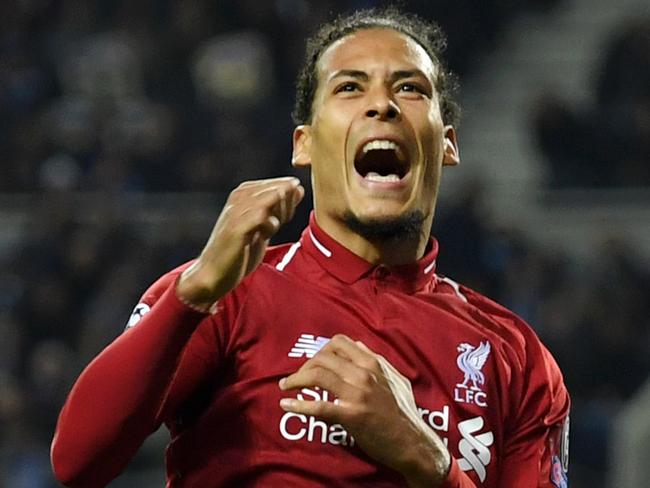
{"x": 113, "y": 98}
{"x": 606, "y": 142}
{"x": 592, "y": 314}
{"x": 183, "y": 95}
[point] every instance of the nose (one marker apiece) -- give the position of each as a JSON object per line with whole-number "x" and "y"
{"x": 382, "y": 106}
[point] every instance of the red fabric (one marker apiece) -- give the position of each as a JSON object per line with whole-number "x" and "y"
{"x": 456, "y": 478}
{"x": 213, "y": 379}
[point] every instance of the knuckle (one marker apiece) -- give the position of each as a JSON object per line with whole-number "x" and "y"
{"x": 239, "y": 194}
{"x": 372, "y": 364}
{"x": 227, "y": 210}
{"x": 325, "y": 350}
{"x": 239, "y": 189}
{"x": 315, "y": 362}
{"x": 338, "y": 339}
{"x": 368, "y": 379}
{"x": 320, "y": 408}
{"x": 312, "y": 374}
{"x": 259, "y": 215}
{"x": 320, "y": 374}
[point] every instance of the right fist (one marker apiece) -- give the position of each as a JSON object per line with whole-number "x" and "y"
{"x": 253, "y": 213}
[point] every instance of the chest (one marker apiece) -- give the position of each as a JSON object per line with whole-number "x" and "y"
{"x": 450, "y": 360}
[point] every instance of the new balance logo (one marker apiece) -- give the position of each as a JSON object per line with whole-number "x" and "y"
{"x": 474, "y": 449}
{"x": 307, "y": 345}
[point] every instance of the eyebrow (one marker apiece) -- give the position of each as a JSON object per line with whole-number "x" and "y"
{"x": 409, "y": 73}
{"x": 363, "y": 76}
{"x": 351, "y": 73}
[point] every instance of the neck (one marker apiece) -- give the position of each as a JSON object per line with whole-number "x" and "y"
{"x": 374, "y": 247}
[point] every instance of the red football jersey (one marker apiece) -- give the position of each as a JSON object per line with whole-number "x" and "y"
{"x": 481, "y": 379}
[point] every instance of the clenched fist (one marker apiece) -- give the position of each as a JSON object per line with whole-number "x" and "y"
{"x": 253, "y": 213}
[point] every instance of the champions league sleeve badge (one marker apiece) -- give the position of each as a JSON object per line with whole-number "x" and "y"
{"x": 559, "y": 448}
{"x": 140, "y": 310}
{"x": 558, "y": 475}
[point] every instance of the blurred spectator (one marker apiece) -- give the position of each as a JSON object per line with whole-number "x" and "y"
{"x": 606, "y": 144}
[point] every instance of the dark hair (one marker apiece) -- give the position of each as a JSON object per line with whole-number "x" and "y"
{"x": 427, "y": 34}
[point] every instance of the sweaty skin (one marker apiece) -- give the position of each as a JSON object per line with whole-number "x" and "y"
{"x": 374, "y": 84}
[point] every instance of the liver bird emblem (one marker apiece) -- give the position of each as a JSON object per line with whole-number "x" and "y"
{"x": 470, "y": 361}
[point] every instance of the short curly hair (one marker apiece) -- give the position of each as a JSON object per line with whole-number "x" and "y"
{"x": 427, "y": 34}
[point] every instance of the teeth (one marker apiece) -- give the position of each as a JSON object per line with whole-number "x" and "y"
{"x": 373, "y": 176}
{"x": 379, "y": 144}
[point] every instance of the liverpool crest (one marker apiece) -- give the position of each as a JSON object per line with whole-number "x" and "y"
{"x": 470, "y": 361}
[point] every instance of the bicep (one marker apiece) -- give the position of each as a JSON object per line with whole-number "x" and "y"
{"x": 536, "y": 444}
{"x": 539, "y": 460}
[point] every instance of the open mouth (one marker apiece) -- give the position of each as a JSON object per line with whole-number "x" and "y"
{"x": 382, "y": 160}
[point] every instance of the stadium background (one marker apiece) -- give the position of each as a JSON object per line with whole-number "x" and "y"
{"x": 125, "y": 123}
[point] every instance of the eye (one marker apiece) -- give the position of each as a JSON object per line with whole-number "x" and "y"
{"x": 348, "y": 86}
{"x": 410, "y": 87}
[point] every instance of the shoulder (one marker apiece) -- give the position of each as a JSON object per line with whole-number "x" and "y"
{"x": 531, "y": 366}
{"x": 514, "y": 333}
{"x": 539, "y": 368}
{"x": 489, "y": 314}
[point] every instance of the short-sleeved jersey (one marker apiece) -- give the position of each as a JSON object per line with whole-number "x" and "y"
{"x": 481, "y": 378}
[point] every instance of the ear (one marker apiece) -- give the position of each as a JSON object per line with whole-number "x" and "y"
{"x": 451, "y": 156}
{"x": 301, "y": 156}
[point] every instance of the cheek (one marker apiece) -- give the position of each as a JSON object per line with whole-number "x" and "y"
{"x": 433, "y": 142}
{"x": 330, "y": 134}
{"x": 329, "y": 145}
{"x": 429, "y": 182}
{"x": 432, "y": 168}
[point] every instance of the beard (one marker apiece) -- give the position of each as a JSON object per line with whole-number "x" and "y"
{"x": 403, "y": 228}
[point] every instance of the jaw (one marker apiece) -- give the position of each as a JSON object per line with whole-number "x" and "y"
{"x": 375, "y": 206}
{"x": 370, "y": 199}
{"x": 378, "y": 206}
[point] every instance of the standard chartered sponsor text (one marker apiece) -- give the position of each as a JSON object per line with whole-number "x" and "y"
{"x": 295, "y": 427}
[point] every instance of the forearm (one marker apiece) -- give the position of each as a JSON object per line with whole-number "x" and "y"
{"x": 113, "y": 406}
{"x": 431, "y": 465}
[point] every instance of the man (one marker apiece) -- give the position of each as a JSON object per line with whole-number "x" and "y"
{"x": 342, "y": 359}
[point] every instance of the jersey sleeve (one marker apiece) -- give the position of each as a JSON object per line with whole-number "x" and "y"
{"x": 121, "y": 396}
{"x": 536, "y": 436}
{"x": 457, "y": 478}
{"x": 536, "y": 418}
